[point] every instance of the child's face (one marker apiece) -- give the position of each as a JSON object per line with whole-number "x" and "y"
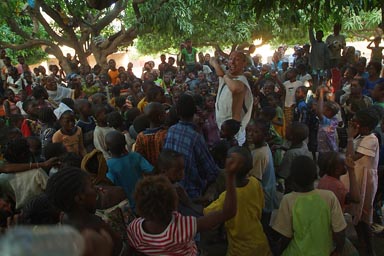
{"x": 254, "y": 135}
{"x": 67, "y": 121}
{"x": 86, "y": 109}
{"x": 34, "y": 146}
{"x": 176, "y": 172}
{"x": 341, "y": 168}
{"x": 210, "y": 103}
{"x": 101, "y": 117}
{"x": 327, "y": 112}
{"x": 225, "y": 132}
{"x": 268, "y": 88}
{"x": 299, "y": 94}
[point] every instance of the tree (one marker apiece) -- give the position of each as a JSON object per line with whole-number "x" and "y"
{"x": 72, "y": 23}
{"x": 158, "y": 25}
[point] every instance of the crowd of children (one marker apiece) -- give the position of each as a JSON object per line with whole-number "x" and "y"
{"x": 74, "y": 147}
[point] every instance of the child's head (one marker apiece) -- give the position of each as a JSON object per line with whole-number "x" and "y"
{"x": 130, "y": 115}
{"x": 34, "y": 144}
{"x": 39, "y": 93}
{"x": 186, "y": 106}
{"x": 367, "y": 120}
{"x": 17, "y": 151}
{"x": 116, "y": 143}
{"x": 303, "y": 173}
{"x": 9, "y": 94}
{"x": 332, "y": 164}
{"x": 247, "y": 160}
{"x": 155, "y": 112}
{"x": 100, "y": 112}
{"x": 330, "y": 109}
{"x": 83, "y": 107}
{"x": 46, "y": 115}
{"x": 171, "y": 164}
{"x": 297, "y": 132}
{"x": 269, "y": 87}
{"x": 291, "y": 75}
{"x": 98, "y": 98}
{"x": 40, "y": 211}
{"x": 301, "y": 93}
{"x": 70, "y": 159}
{"x": 30, "y": 107}
{"x": 378, "y": 92}
{"x": 139, "y": 124}
{"x": 71, "y": 190}
{"x": 155, "y": 199}
{"x": 257, "y": 132}
{"x": 67, "y": 121}
{"x": 209, "y": 102}
{"x": 155, "y": 94}
{"x": 69, "y": 102}
{"x": 319, "y": 35}
{"x": 56, "y": 149}
{"x": 115, "y": 120}
{"x": 229, "y": 128}
{"x": 377, "y": 41}
{"x": 268, "y": 113}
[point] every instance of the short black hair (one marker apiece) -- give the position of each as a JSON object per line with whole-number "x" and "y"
{"x": 39, "y": 91}
{"x": 368, "y": 117}
{"x": 186, "y": 106}
{"x": 248, "y": 162}
{"x": 303, "y": 171}
{"x": 115, "y": 141}
{"x": 17, "y": 151}
{"x": 233, "y": 125}
{"x": 299, "y": 131}
{"x": 115, "y": 120}
{"x": 64, "y": 186}
{"x": 56, "y": 149}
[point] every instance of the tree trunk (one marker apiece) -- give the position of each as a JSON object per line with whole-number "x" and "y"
{"x": 56, "y": 51}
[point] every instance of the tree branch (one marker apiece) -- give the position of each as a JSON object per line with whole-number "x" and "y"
{"x": 110, "y": 16}
{"x": 28, "y": 44}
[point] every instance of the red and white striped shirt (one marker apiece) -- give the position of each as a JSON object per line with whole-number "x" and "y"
{"x": 175, "y": 240}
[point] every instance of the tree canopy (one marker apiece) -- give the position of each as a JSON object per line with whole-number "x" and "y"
{"x": 160, "y": 25}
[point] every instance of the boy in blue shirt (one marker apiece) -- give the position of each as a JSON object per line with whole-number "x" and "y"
{"x": 125, "y": 169}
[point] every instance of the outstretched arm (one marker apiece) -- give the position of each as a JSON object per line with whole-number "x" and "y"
{"x": 219, "y": 71}
{"x": 233, "y": 164}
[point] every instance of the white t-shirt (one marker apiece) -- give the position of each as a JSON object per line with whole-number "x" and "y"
{"x": 290, "y": 89}
{"x": 224, "y": 105}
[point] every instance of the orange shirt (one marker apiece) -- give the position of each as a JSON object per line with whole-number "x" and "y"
{"x": 73, "y": 143}
{"x": 114, "y": 75}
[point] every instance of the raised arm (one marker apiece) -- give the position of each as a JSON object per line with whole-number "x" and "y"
{"x": 219, "y": 71}
{"x": 233, "y": 163}
{"x": 320, "y": 104}
{"x": 235, "y": 86}
{"x": 221, "y": 53}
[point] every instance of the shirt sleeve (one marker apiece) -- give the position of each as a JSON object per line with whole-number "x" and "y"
{"x": 368, "y": 146}
{"x": 259, "y": 166}
{"x": 337, "y": 218}
{"x": 145, "y": 166}
{"x": 216, "y": 205}
{"x": 283, "y": 221}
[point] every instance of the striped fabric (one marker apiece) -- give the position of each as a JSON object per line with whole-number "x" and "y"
{"x": 175, "y": 240}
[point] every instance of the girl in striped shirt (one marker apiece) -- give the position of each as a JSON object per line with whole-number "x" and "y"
{"x": 161, "y": 230}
